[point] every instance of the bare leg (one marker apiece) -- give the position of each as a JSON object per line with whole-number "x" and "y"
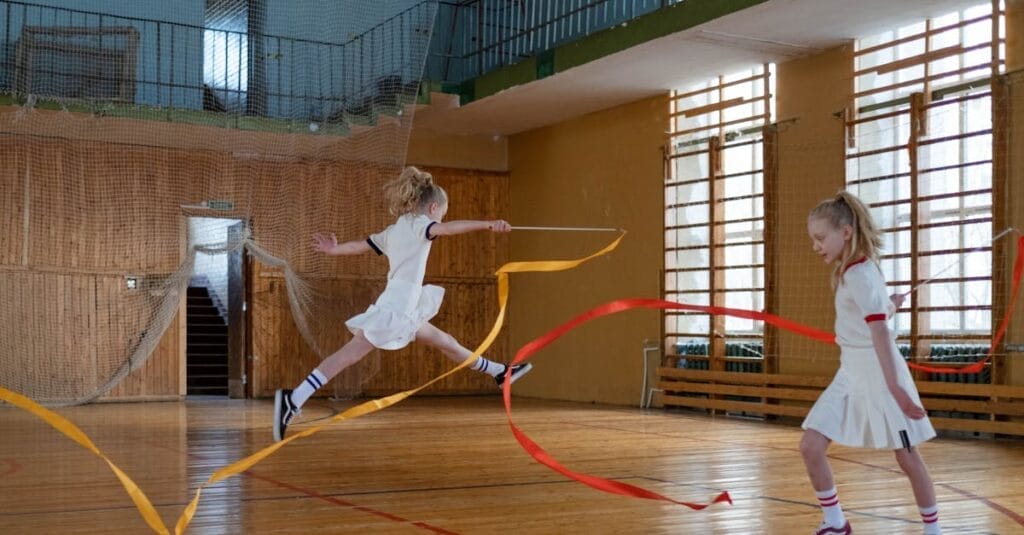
{"x": 446, "y": 343}
{"x": 287, "y": 403}
{"x": 913, "y": 465}
{"x": 349, "y": 354}
{"x": 813, "y": 446}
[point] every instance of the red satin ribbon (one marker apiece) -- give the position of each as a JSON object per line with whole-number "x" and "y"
{"x": 621, "y": 305}
{"x": 616, "y": 487}
{"x": 599, "y": 483}
{"x": 977, "y": 367}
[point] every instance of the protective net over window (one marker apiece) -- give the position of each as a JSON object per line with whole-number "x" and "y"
{"x": 715, "y": 219}
{"x": 928, "y": 140}
{"x": 923, "y": 147}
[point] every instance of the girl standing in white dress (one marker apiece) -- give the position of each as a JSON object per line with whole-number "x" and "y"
{"x": 403, "y": 311}
{"x": 872, "y": 401}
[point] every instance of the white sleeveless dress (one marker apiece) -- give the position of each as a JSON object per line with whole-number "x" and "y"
{"x": 406, "y": 304}
{"x": 857, "y": 408}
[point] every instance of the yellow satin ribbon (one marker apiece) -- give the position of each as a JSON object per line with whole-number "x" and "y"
{"x": 63, "y": 425}
{"x": 142, "y": 502}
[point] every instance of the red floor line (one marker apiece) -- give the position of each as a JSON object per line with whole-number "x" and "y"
{"x": 1002, "y": 509}
{"x": 344, "y": 503}
{"x": 330, "y": 499}
{"x": 12, "y": 467}
{"x": 1016, "y": 517}
{"x": 435, "y": 529}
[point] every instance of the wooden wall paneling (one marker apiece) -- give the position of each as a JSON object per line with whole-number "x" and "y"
{"x": 13, "y": 175}
{"x": 458, "y": 263}
{"x": 79, "y": 260}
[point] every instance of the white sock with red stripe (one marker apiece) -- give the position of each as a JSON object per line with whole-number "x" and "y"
{"x": 829, "y": 502}
{"x": 930, "y": 517}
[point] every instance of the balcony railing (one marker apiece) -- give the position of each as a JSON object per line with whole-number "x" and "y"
{"x": 70, "y": 54}
{"x": 76, "y": 55}
{"x": 474, "y": 37}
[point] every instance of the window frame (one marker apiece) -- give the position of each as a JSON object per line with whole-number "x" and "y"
{"x": 916, "y": 101}
{"x": 722, "y": 130}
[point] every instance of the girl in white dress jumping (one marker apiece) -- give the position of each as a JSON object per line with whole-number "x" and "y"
{"x": 872, "y": 401}
{"x": 403, "y": 311}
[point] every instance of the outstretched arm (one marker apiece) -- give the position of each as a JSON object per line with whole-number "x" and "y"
{"x": 450, "y": 228}
{"x": 328, "y": 244}
{"x": 883, "y": 349}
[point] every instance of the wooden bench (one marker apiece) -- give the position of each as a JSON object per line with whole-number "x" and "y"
{"x": 986, "y": 408}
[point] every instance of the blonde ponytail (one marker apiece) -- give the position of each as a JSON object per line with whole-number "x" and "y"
{"x": 411, "y": 190}
{"x": 846, "y": 209}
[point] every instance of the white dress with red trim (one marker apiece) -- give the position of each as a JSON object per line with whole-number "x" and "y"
{"x": 857, "y": 408}
{"x": 406, "y": 303}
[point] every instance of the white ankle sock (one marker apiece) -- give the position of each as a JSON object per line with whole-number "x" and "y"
{"x": 488, "y": 366}
{"x": 310, "y": 384}
{"x": 829, "y": 502}
{"x": 930, "y": 518}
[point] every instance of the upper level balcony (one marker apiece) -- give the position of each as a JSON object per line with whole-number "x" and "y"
{"x": 261, "y": 66}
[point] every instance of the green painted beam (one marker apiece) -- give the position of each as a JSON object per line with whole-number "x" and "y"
{"x": 659, "y": 23}
{"x": 665, "y": 21}
{"x": 509, "y": 76}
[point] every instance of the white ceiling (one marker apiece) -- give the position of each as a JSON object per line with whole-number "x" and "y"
{"x": 774, "y": 31}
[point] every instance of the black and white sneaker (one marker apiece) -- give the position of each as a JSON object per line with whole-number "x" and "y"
{"x": 284, "y": 412}
{"x": 518, "y": 370}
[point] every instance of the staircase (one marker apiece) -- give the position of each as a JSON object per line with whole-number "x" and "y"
{"x": 207, "y": 349}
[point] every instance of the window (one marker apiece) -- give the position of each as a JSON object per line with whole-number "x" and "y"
{"x": 714, "y": 217}
{"x": 920, "y": 154}
{"x": 226, "y": 55}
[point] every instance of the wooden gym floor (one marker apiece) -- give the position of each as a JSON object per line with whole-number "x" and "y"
{"x": 450, "y": 465}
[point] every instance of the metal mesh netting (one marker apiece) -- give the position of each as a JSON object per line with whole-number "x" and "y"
{"x": 139, "y": 150}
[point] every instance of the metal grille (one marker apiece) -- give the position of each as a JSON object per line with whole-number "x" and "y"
{"x": 715, "y": 208}
{"x": 920, "y": 140}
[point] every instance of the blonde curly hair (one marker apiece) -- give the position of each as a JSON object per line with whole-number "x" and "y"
{"x": 411, "y": 190}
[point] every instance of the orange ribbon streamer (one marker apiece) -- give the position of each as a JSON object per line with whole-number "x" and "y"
{"x": 153, "y": 519}
{"x": 72, "y": 431}
{"x": 977, "y": 367}
{"x": 614, "y": 307}
{"x": 142, "y": 502}
{"x": 385, "y": 402}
